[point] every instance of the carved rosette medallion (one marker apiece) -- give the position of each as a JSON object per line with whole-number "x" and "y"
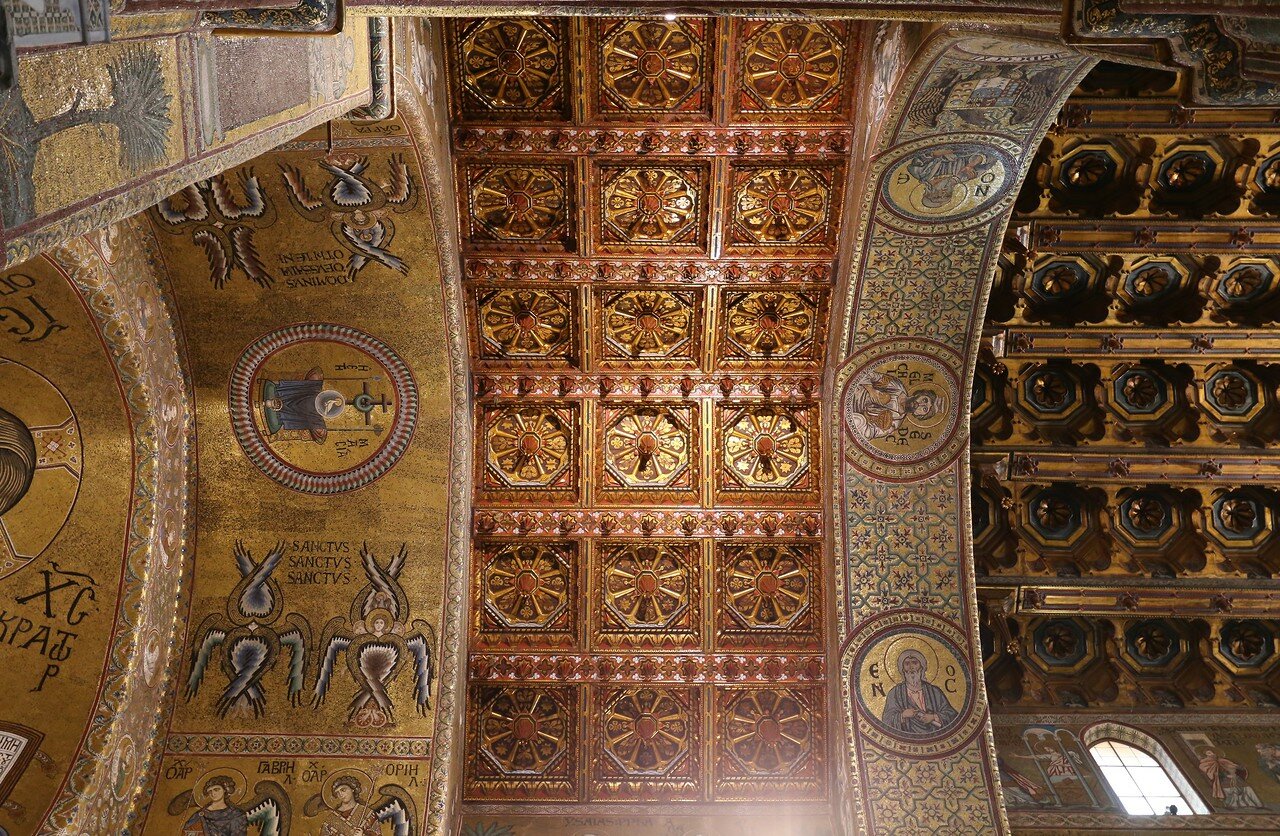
{"x": 766, "y": 448}
{"x": 937, "y": 188}
{"x": 770, "y": 325}
{"x": 649, "y": 325}
{"x": 523, "y": 731}
{"x": 511, "y": 65}
{"x": 647, "y": 587}
{"x": 528, "y": 586}
{"x": 651, "y": 66}
{"x": 526, "y": 324}
{"x": 517, "y": 203}
{"x": 766, "y": 587}
{"x": 647, "y": 731}
{"x": 781, "y": 206}
{"x": 901, "y": 409}
{"x": 901, "y": 660}
{"x": 767, "y": 732}
{"x": 647, "y": 447}
{"x": 528, "y": 447}
{"x": 792, "y": 66}
{"x": 651, "y": 206}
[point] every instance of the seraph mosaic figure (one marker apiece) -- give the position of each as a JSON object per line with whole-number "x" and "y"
{"x": 357, "y": 205}
{"x": 222, "y": 811}
{"x": 249, "y": 640}
{"x": 378, "y": 638}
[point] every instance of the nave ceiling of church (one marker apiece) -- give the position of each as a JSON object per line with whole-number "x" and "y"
{"x": 650, "y": 214}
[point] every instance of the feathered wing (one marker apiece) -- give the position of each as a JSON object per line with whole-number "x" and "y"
{"x": 181, "y": 802}
{"x": 401, "y": 183}
{"x": 300, "y": 196}
{"x": 349, "y": 189}
{"x": 377, "y": 579}
{"x": 244, "y": 560}
{"x": 215, "y": 252}
{"x": 254, "y": 204}
{"x": 397, "y": 563}
{"x": 257, "y": 598}
{"x": 335, "y": 639}
{"x": 396, "y": 806}
{"x": 246, "y": 255}
{"x": 192, "y": 207}
{"x": 296, "y": 637}
{"x": 212, "y": 631}
{"x": 269, "y": 809}
{"x": 313, "y": 805}
{"x": 422, "y": 646}
{"x": 248, "y": 658}
{"x": 373, "y": 664}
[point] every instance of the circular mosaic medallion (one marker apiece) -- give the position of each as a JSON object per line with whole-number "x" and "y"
{"x": 321, "y": 408}
{"x": 40, "y": 464}
{"x": 911, "y": 685}
{"x": 933, "y": 187}
{"x": 901, "y": 408}
{"x": 1004, "y": 51}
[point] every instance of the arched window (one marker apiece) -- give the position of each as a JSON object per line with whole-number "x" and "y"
{"x": 1139, "y": 772}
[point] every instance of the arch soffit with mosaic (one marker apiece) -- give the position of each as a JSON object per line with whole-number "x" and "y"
{"x": 958, "y": 138}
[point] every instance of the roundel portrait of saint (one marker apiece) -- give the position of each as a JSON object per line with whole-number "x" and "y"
{"x": 913, "y": 687}
{"x": 40, "y": 464}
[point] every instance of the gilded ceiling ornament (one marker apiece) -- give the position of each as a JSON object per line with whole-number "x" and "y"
{"x": 766, "y": 448}
{"x": 767, "y": 587}
{"x": 768, "y": 732}
{"x": 523, "y": 730}
{"x": 648, "y": 324}
{"x": 792, "y": 66}
{"x": 651, "y": 65}
{"x": 781, "y": 206}
{"x": 529, "y": 447}
{"x": 527, "y": 324}
{"x": 647, "y": 731}
{"x": 770, "y": 324}
{"x": 518, "y": 203}
{"x": 647, "y": 447}
{"x": 651, "y": 205}
{"x": 527, "y": 586}
{"x": 646, "y": 586}
{"x": 511, "y": 63}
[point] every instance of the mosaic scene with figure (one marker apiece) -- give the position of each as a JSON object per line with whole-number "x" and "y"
{"x": 437, "y": 419}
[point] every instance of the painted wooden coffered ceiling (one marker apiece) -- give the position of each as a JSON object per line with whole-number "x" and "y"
{"x": 1125, "y": 414}
{"x": 650, "y": 213}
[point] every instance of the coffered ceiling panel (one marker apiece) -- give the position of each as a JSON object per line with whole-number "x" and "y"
{"x": 651, "y": 211}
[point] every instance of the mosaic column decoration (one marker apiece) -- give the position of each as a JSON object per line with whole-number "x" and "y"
{"x": 954, "y": 150}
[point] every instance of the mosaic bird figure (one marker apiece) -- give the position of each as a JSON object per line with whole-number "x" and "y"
{"x": 379, "y": 640}
{"x": 248, "y": 639}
